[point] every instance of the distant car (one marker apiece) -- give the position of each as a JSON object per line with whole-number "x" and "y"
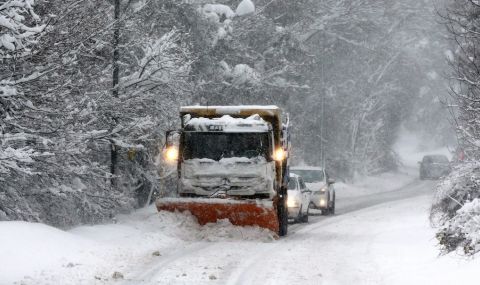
{"x": 434, "y": 166}
{"x": 323, "y": 190}
{"x": 298, "y": 199}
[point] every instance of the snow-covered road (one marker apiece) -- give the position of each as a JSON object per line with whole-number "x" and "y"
{"x": 329, "y": 250}
{"x": 380, "y": 235}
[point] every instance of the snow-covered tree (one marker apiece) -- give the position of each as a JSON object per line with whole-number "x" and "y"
{"x": 20, "y": 27}
{"x": 456, "y": 209}
{"x": 67, "y": 117}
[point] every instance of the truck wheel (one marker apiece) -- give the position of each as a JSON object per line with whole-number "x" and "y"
{"x": 282, "y": 218}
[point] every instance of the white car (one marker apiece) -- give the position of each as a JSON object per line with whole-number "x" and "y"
{"x": 298, "y": 199}
{"x": 323, "y": 191}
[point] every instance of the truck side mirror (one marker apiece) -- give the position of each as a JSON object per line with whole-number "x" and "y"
{"x": 171, "y": 149}
{"x": 331, "y": 181}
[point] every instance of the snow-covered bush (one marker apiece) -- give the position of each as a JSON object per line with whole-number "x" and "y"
{"x": 456, "y": 209}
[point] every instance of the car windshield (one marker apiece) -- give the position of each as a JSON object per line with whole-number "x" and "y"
{"x": 292, "y": 183}
{"x": 310, "y": 176}
{"x": 217, "y": 145}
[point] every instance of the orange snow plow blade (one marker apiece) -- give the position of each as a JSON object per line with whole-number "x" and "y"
{"x": 238, "y": 212}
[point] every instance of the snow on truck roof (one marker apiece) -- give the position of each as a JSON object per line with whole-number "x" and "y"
{"x": 232, "y": 108}
{"x": 242, "y": 110}
{"x": 229, "y": 124}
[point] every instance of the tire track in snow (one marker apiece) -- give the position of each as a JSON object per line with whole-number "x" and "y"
{"x": 145, "y": 275}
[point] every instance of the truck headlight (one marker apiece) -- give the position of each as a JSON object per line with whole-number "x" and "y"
{"x": 279, "y": 154}
{"x": 171, "y": 154}
{"x": 324, "y": 189}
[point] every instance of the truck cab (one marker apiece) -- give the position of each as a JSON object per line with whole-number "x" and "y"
{"x": 227, "y": 156}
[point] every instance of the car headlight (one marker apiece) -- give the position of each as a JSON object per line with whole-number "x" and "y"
{"x": 292, "y": 202}
{"x": 324, "y": 189}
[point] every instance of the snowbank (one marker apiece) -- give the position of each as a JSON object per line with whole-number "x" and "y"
{"x": 39, "y": 254}
{"x": 26, "y": 248}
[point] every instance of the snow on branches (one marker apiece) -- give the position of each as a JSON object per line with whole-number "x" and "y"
{"x": 462, "y": 22}
{"x": 245, "y": 7}
{"x": 18, "y": 27}
{"x": 456, "y": 209}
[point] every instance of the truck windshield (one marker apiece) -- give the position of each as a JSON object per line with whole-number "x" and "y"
{"x": 309, "y": 176}
{"x": 225, "y": 145}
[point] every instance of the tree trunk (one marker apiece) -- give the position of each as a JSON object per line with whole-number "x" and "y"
{"x": 115, "y": 79}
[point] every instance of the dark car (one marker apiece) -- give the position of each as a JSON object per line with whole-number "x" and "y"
{"x": 434, "y": 166}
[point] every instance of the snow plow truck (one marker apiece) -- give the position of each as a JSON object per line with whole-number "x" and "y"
{"x": 232, "y": 163}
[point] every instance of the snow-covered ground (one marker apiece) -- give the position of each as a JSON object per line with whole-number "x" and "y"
{"x": 38, "y": 254}
{"x": 378, "y": 243}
